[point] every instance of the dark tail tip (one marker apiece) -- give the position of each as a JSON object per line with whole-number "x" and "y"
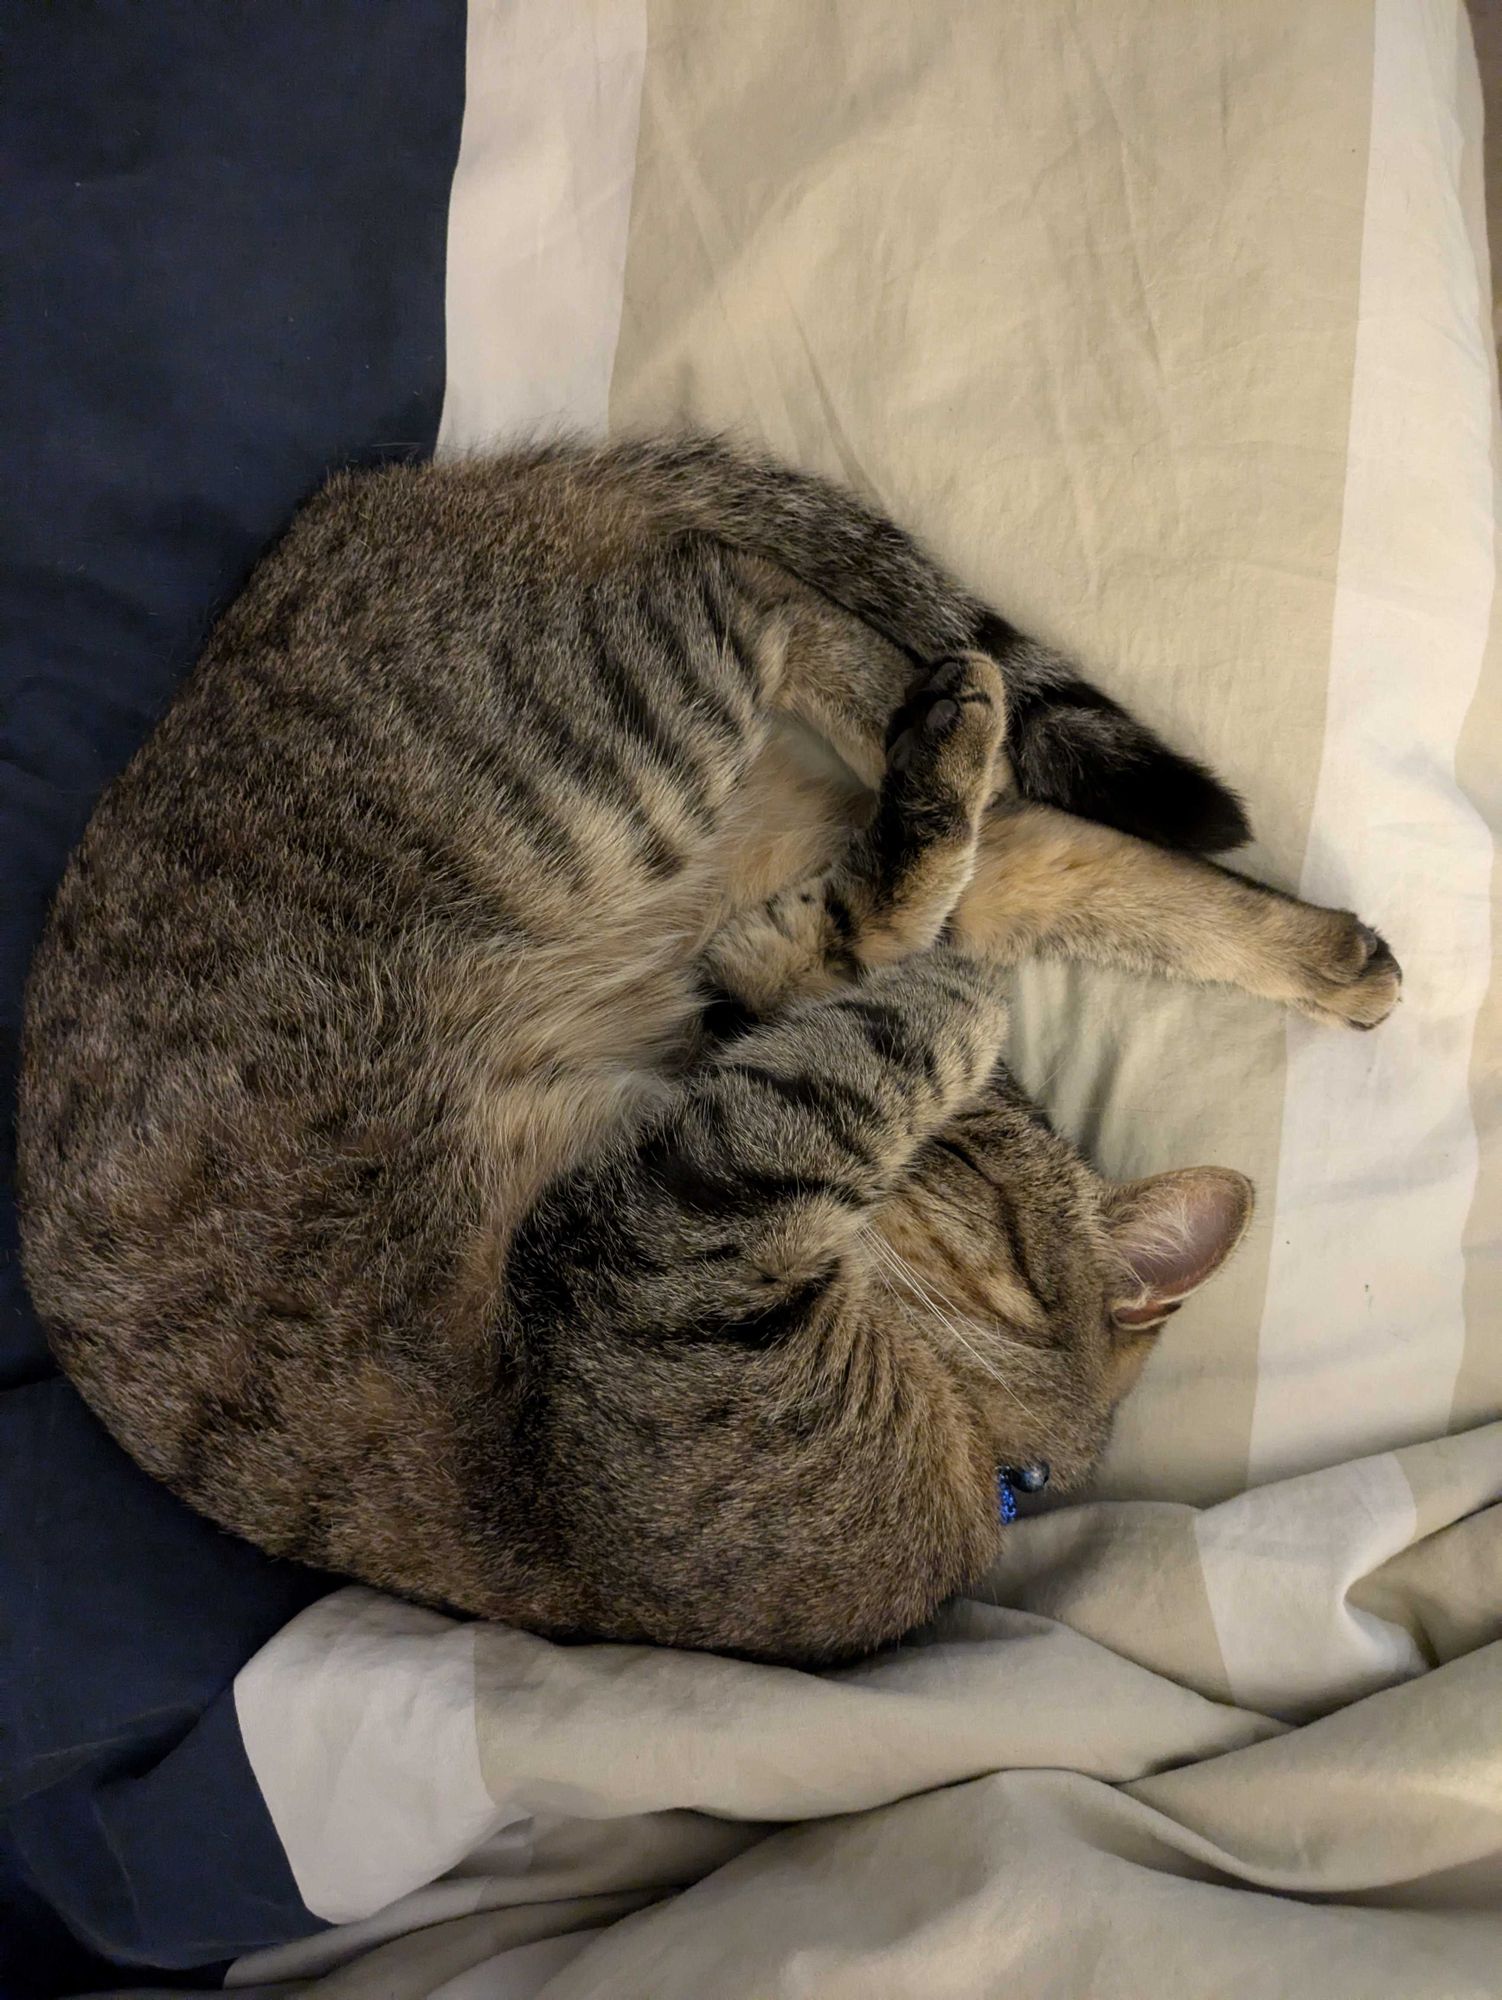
{"x": 1172, "y": 800}
{"x": 1075, "y": 748}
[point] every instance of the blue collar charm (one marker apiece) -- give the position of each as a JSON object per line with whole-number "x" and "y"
{"x": 1014, "y": 1479}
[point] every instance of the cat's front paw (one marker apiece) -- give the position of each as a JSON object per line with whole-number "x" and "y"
{"x": 1352, "y": 975}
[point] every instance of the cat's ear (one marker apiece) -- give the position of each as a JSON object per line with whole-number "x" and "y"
{"x": 1172, "y": 1232}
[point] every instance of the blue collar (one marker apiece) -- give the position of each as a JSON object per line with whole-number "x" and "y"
{"x": 1014, "y": 1479}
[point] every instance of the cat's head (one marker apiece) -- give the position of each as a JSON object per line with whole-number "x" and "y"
{"x": 1045, "y": 1284}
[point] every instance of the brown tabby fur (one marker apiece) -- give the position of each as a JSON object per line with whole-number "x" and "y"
{"x": 507, "y": 1116}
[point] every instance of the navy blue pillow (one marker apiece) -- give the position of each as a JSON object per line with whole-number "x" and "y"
{"x": 225, "y": 230}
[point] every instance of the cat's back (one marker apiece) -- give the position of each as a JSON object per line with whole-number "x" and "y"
{"x": 322, "y": 953}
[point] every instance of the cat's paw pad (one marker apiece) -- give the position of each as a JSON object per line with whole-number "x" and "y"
{"x": 1354, "y": 976}
{"x": 951, "y": 724}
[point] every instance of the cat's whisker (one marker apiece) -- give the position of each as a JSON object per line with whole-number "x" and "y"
{"x": 950, "y": 1324}
{"x": 951, "y": 1319}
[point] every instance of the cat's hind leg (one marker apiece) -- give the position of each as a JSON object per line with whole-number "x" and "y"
{"x": 1049, "y": 885}
{"x": 822, "y": 665}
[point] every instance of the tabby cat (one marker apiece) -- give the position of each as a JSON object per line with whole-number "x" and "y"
{"x": 512, "y": 1104}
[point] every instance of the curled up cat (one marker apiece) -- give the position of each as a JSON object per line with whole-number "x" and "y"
{"x": 513, "y": 1105}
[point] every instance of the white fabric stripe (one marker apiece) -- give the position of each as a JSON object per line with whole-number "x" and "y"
{"x": 1277, "y": 1564}
{"x": 483, "y": 1881}
{"x": 539, "y": 214}
{"x": 358, "y": 1721}
{"x": 1363, "y": 1330}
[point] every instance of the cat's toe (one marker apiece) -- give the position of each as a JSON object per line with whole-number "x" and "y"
{"x": 1374, "y": 992}
{"x": 941, "y": 718}
{"x": 1355, "y": 977}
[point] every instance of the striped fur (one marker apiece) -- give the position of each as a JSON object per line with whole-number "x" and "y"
{"x": 505, "y": 1117}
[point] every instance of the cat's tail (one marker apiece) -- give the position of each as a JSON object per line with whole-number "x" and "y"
{"x": 1070, "y": 745}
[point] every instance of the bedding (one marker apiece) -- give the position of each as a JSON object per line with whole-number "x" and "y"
{"x": 1168, "y": 326}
